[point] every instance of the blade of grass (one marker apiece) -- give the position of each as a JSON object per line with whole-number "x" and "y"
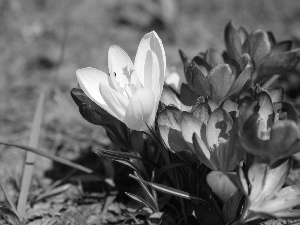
{"x": 12, "y": 205}
{"x": 30, "y": 156}
{"x": 57, "y": 159}
{"x": 49, "y": 156}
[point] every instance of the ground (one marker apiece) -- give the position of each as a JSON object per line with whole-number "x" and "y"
{"x": 44, "y": 42}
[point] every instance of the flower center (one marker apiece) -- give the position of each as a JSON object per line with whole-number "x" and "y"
{"x": 126, "y": 85}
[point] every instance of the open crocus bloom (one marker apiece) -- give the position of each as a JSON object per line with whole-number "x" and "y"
{"x": 131, "y": 92}
{"x": 265, "y": 195}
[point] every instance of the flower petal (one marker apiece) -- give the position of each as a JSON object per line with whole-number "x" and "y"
{"x": 89, "y": 80}
{"x": 257, "y": 174}
{"x": 218, "y": 126}
{"x": 168, "y": 97}
{"x": 169, "y": 120}
{"x": 283, "y": 136}
{"x": 204, "y": 154}
{"x": 233, "y": 41}
{"x": 241, "y": 80}
{"x": 276, "y": 94}
{"x": 265, "y": 114}
{"x": 115, "y": 100}
{"x": 258, "y": 46}
{"x": 150, "y": 41}
{"x": 202, "y": 112}
{"x": 221, "y": 185}
{"x": 190, "y": 125}
{"x": 286, "y": 198}
{"x": 197, "y": 81}
{"x": 213, "y": 57}
{"x": 279, "y": 63}
{"x": 276, "y": 177}
{"x": 120, "y": 67}
{"x": 221, "y": 79}
{"x": 139, "y": 110}
{"x": 152, "y": 79}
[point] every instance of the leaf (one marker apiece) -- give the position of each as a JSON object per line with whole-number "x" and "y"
{"x": 30, "y": 156}
{"x": 11, "y": 215}
{"x": 167, "y": 167}
{"x": 117, "y": 154}
{"x": 49, "y": 156}
{"x": 141, "y": 200}
{"x": 93, "y": 116}
{"x": 172, "y": 191}
{"x": 90, "y": 111}
{"x": 152, "y": 197}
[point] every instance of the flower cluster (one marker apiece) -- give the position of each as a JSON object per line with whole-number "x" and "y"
{"x": 222, "y": 140}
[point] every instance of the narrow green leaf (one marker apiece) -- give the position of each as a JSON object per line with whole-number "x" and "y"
{"x": 49, "y": 156}
{"x": 117, "y": 155}
{"x": 30, "y": 156}
{"x": 171, "y": 191}
{"x": 140, "y": 200}
{"x": 11, "y": 215}
{"x": 166, "y": 168}
{"x": 12, "y": 205}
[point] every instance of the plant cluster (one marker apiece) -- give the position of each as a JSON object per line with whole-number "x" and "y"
{"x": 219, "y": 149}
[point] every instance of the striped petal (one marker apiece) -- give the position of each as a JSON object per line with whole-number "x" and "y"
{"x": 150, "y": 41}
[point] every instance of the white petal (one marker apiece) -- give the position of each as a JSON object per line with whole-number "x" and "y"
{"x": 139, "y": 110}
{"x": 120, "y": 67}
{"x": 152, "y": 78}
{"x": 150, "y": 41}
{"x": 89, "y": 80}
{"x": 276, "y": 178}
{"x": 115, "y": 101}
{"x": 173, "y": 79}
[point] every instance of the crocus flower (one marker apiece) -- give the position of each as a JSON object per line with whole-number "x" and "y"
{"x": 209, "y": 75}
{"x": 265, "y": 195}
{"x": 130, "y": 92}
{"x": 270, "y": 130}
{"x": 201, "y": 134}
{"x": 269, "y": 58}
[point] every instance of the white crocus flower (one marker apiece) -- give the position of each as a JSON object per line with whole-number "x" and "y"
{"x": 131, "y": 92}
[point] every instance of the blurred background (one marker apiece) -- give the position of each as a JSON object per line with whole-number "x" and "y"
{"x": 43, "y": 43}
